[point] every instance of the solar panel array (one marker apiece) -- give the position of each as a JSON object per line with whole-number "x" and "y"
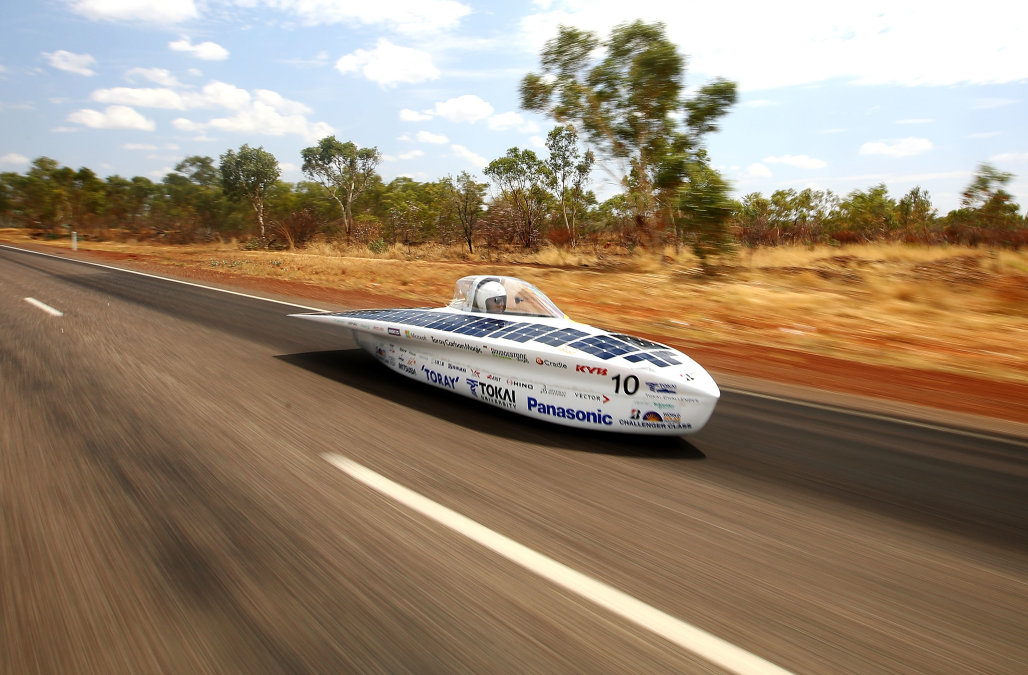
{"x": 604, "y": 347}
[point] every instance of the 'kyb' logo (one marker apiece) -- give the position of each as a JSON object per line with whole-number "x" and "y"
{"x": 592, "y": 370}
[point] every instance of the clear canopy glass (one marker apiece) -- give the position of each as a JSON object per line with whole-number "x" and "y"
{"x": 522, "y": 298}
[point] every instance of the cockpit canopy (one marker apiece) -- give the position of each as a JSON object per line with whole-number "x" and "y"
{"x": 482, "y": 293}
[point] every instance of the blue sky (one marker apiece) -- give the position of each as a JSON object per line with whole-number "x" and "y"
{"x": 838, "y": 96}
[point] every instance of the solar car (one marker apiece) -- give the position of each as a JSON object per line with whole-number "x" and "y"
{"x": 501, "y": 341}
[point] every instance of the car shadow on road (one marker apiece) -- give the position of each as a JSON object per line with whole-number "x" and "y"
{"x": 357, "y": 369}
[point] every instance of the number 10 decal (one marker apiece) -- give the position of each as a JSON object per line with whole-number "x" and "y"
{"x": 631, "y": 384}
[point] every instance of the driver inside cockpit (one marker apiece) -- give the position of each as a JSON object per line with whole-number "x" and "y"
{"x": 491, "y": 297}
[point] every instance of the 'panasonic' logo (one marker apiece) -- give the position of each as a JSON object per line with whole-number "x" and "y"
{"x": 597, "y": 417}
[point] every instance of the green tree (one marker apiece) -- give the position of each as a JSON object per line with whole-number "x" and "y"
{"x": 629, "y": 104}
{"x": 466, "y": 200}
{"x": 991, "y": 206}
{"x": 522, "y": 177}
{"x": 569, "y": 171}
{"x": 704, "y": 202}
{"x": 870, "y": 215}
{"x": 915, "y": 211}
{"x": 249, "y": 174}
{"x": 345, "y": 171}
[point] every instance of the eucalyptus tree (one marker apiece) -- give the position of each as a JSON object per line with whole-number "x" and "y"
{"x": 991, "y": 205}
{"x": 344, "y": 170}
{"x": 249, "y": 174}
{"x": 522, "y": 178}
{"x": 628, "y": 101}
{"x": 569, "y": 173}
{"x": 915, "y": 211}
{"x": 467, "y": 198}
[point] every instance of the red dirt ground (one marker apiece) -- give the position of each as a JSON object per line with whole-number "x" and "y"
{"x": 945, "y": 391}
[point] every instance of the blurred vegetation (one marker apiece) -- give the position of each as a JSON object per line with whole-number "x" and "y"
{"x": 623, "y": 94}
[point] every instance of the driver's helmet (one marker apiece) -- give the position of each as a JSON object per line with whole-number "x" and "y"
{"x": 491, "y": 297}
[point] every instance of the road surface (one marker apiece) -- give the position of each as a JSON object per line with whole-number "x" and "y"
{"x": 193, "y": 482}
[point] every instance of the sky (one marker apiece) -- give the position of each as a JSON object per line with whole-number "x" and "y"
{"x": 836, "y": 96}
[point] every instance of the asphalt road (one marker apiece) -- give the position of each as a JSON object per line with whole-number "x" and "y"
{"x": 171, "y": 500}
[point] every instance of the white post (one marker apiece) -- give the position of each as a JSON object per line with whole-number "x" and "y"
{"x": 74, "y": 241}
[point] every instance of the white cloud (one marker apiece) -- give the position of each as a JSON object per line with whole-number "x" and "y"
{"x": 206, "y": 51}
{"x": 920, "y": 120}
{"x": 182, "y": 124}
{"x": 72, "y": 63}
{"x": 159, "y": 76}
{"x": 831, "y": 131}
{"x": 113, "y": 117}
{"x": 408, "y": 115}
{"x": 389, "y": 64}
{"x": 509, "y": 120}
{"x": 263, "y": 119}
{"x": 990, "y": 103}
{"x": 797, "y": 161}
{"x": 414, "y": 17}
{"x": 903, "y": 147}
{"x": 758, "y": 170}
{"x": 13, "y": 159}
{"x": 1012, "y": 157}
{"x": 146, "y": 98}
{"x": 429, "y": 137}
{"x": 467, "y": 108}
{"x": 984, "y": 134}
{"x": 863, "y": 44}
{"x": 163, "y": 12}
{"x": 280, "y": 104}
{"x": 139, "y": 146}
{"x": 413, "y": 154}
{"x": 223, "y": 95}
{"x": 478, "y": 161}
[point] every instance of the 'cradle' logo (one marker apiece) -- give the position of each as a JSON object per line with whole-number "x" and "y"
{"x": 552, "y": 364}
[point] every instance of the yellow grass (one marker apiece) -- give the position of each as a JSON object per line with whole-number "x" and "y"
{"x": 938, "y": 308}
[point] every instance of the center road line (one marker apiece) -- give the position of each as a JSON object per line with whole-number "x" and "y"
{"x": 45, "y": 307}
{"x": 692, "y": 639}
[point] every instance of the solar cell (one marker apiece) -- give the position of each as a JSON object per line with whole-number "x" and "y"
{"x": 602, "y": 346}
{"x": 639, "y": 342}
{"x": 560, "y": 337}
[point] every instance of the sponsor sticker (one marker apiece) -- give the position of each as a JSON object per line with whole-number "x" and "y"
{"x": 456, "y": 344}
{"x": 415, "y": 336}
{"x": 448, "y": 381}
{"x": 562, "y": 412}
{"x": 552, "y": 364}
{"x": 653, "y": 420}
{"x": 493, "y": 393}
{"x": 662, "y": 388}
{"x": 394, "y": 331}
{"x": 509, "y": 355}
{"x": 521, "y": 385}
{"x": 591, "y": 370}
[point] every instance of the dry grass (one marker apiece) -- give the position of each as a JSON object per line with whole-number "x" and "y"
{"x": 941, "y": 308}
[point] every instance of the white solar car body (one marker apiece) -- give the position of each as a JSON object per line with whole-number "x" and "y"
{"x": 531, "y": 359}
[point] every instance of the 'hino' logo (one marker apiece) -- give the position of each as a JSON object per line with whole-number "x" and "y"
{"x": 592, "y": 370}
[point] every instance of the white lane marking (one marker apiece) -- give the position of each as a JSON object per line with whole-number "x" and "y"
{"x": 1011, "y": 440}
{"x": 45, "y": 307}
{"x": 856, "y": 413}
{"x": 687, "y": 636}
